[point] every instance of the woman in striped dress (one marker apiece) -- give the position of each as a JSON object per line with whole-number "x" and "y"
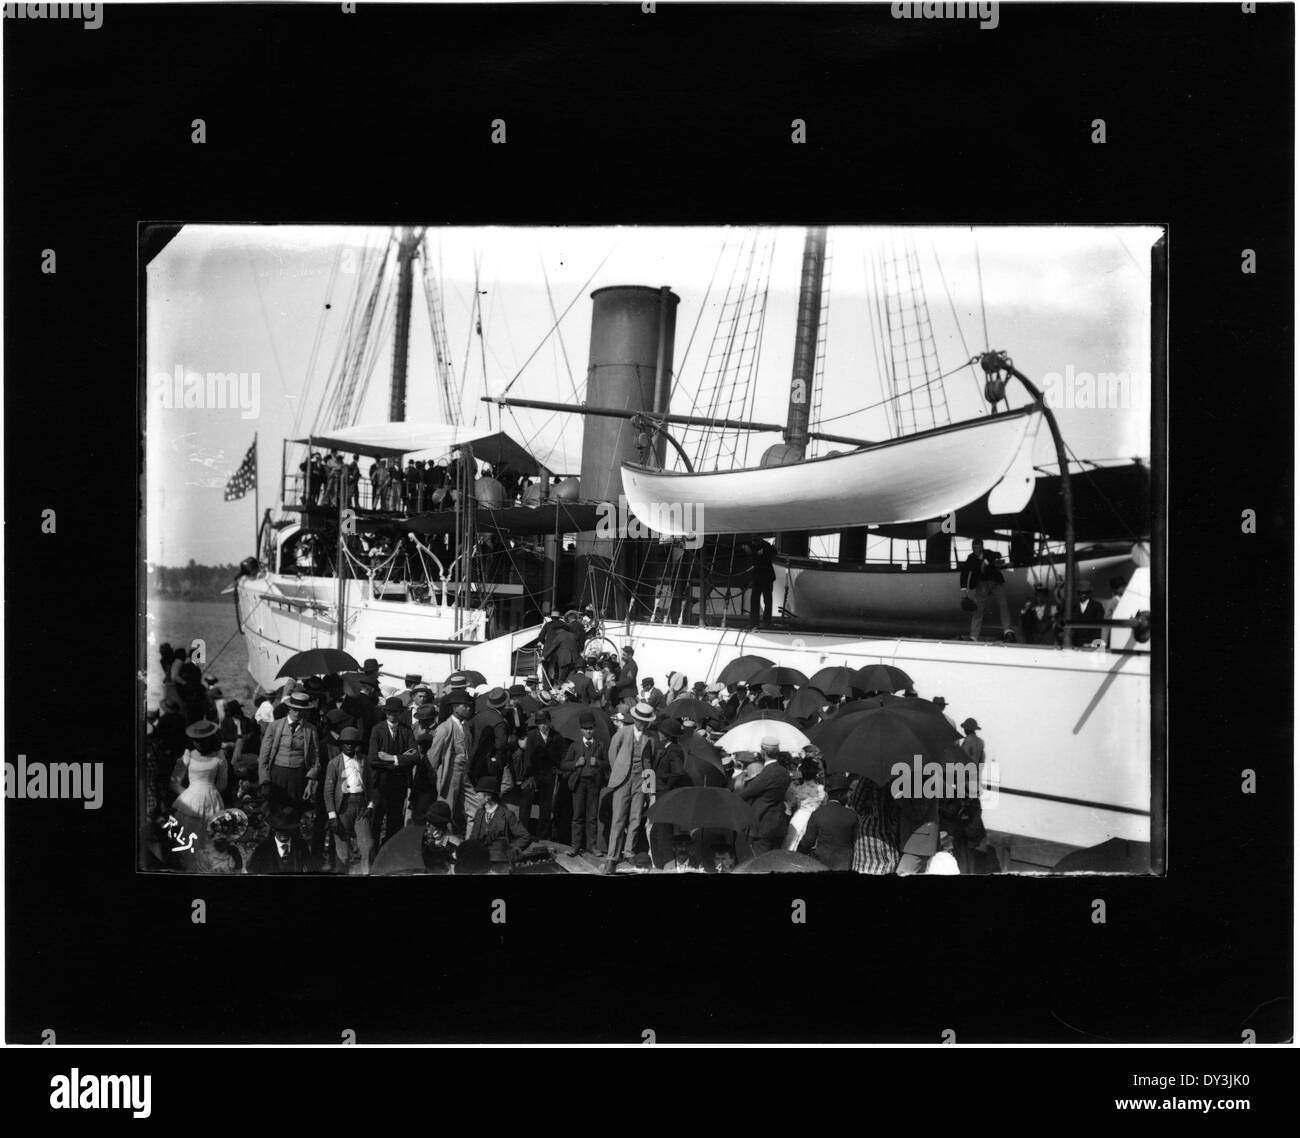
{"x": 874, "y": 848}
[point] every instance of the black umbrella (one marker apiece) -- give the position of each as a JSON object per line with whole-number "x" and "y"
{"x": 527, "y": 704}
{"x": 688, "y": 707}
{"x": 881, "y": 677}
{"x": 754, "y": 712}
{"x": 565, "y": 716}
{"x": 317, "y": 662}
{"x": 837, "y": 680}
{"x": 781, "y": 677}
{"x": 702, "y": 808}
{"x": 402, "y": 853}
{"x": 870, "y": 742}
{"x": 741, "y": 668}
{"x": 806, "y": 703}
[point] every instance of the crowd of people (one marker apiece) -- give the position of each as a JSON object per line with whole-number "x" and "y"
{"x": 328, "y": 478}
{"x": 346, "y": 773}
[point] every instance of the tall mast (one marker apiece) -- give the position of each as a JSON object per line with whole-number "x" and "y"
{"x": 805, "y": 340}
{"x": 402, "y": 329}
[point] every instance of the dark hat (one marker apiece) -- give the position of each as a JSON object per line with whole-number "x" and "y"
{"x": 350, "y": 735}
{"x": 170, "y": 706}
{"x": 488, "y": 785}
{"x": 497, "y": 697}
{"x": 542, "y": 716}
{"x": 334, "y": 683}
{"x": 392, "y": 703}
{"x": 841, "y": 780}
{"x": 670, "y": 727}
{"x": 337, "y": 717}
{"x": 472, "y": 857}
{"x": 586, "y": 720}
{"x": 771, "y": 690}
{"x": 532, "y": 682}
{"x": 301, "y": 701}
{"x": 371, "y": 665}
{"x": 516, "y": 690}
{"x": 971, "y": 724}
{"x": 939, "y": 701}
{"x": 426, "y": 712}
{"x": 203, "y": 729}
{"x": 647, "y": 681}
{"x": 284, "y": 820}
{"x": 1085, "y": 586}
{"x": 627, "y": 650}
{"x": 424, "y": 688}
{"x": 438, "y": 813}
{"x": 698, "y": 686}
{"x": 233, "y": 705}
{"x": 314, "y": 684}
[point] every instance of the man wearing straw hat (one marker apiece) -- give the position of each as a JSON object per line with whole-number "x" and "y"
{"x": 631, "y": 754}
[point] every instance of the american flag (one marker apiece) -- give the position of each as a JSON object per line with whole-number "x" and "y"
{"x": 245, "y": 478}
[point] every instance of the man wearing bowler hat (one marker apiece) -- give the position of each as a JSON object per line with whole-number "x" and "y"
{"x": 289, "y": 755}
{"x": 449, "y": 754}
{"x": 544, "y": 750}
{"x": 392, "y": 755}
{"x": 584, "y": 765}
{"x": 349, "y": 801}
{"x": 284, "y": 850}
{"x": 496, "y": 827}
{"x": 631, "y": 753}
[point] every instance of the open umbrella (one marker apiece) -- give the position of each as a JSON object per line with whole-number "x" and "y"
{"x": 465, "y": 678}
{"x": 751, "y": 713}
{"x": 836, "y": 680}
{"x": 402, "y": 853}
{"x": 565, "y": 716}
{"x": 881, "y": 677}
{"x": 317, "y": 662}
{"x": 688, "y": 707}
{"x": 749, "y": 736}
{"x": 806, "y": 703}
{"x": 702, "y": 808}
{"x": 741, "y": 668}
{"x": 871, "y": 741}
{"x": 781, "y": 861}
{"x": 1112, "y": 856}
{"x": 910, "y": 706}
{"x": 781, "y": 677}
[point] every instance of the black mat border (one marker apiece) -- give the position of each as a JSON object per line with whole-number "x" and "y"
{"x": 678, "y": 117}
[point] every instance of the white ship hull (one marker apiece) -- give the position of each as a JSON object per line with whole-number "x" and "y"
{"x": 1069, "y": 730}
{"x": 281, "y": 615}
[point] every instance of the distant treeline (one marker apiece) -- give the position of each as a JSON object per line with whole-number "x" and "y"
{"x": 193, "y": 582}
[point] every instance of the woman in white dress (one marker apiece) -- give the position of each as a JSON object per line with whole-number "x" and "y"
{"x": 802, "y": 798}
{"x": 198, "y": 779}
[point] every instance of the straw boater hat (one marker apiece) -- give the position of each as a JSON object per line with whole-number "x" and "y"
{"x": 203, "y": 729}
{"x": 301, "y": 701}
{"x": 497, "y": 698}
{"x": 643, "y": 713}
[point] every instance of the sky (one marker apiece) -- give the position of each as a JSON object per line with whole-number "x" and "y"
{"x": 272, "y": 302}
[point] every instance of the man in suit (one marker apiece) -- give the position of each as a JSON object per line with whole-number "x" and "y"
{"x": 832, "y": 827}
{"x": 762, "y": 578}
{"x": 290, "y": 755}
{"x": 981, "y": 574}
{"x": 424, "y": 787}
{"x": 1087, "y": 609}
{"x": 544, "y": 750}
{"x": 561, "y": 652}
{"x": 584, "y": 766}
{"x": 392, "y": 755}
{"x": 284, "y": 851}
{"x": 670, "y": 772}
{"x": 631, "y": 753}
{"x": 625, "y": 683}
{"x": 350, "y": 801}
{"x": 493, "y": 743}
{"x": 765, "y": 793}
{"x": 449, "y": 754}
{"x": 651, "y": 694}
{"x": 581, "y": 689}
{"x": 496, "y": 827}
{"x": 1038, "y": 618}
